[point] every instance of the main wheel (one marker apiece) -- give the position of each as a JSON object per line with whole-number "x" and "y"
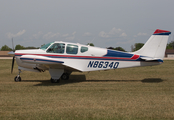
{"x": 17, "y": 79}
{"x": 55, "y": 80}
{"x": 65, "y": 76}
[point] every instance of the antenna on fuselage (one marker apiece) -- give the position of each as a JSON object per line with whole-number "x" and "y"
{"x": 91, "y": 41}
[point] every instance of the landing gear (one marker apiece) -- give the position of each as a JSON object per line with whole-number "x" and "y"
{"x": 18, "y": 78}
{"x": 65, "y": 76}
{"x": 55, "y": 80}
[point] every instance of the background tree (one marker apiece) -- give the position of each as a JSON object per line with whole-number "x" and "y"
{"x": 120, "y": 49}
{"x": 117, "y": 48}
{"x": 30, "y": 47}
{"x": 170, "y": 45}
{"x": 19, "y": 47}
{"x": 5, "y": 48}
{"x": 137, "y": 46}
{"x": 42, "y": 45}
{"x": 110, "y": 48}
{"x": 90, "y": 44}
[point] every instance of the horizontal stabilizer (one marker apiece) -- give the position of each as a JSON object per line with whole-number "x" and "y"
{"x": 148, "y": 58}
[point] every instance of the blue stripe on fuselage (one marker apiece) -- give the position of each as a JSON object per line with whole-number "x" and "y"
{"x": 112, "y": 53}
{"x": 42, "y": 60}
{"x": 49, "y": 61}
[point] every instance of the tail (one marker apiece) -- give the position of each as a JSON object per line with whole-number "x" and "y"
{"x": 155, "y": 47}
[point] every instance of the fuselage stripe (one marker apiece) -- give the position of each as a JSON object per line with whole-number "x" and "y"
{"x": 133, "y": 58}
{"x": 36, "y": 60}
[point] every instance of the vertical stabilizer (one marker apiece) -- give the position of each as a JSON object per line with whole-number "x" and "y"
{"x": 156, "y": 45}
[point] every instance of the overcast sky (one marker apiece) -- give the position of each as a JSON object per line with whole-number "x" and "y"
{"x": 103, "y": 22}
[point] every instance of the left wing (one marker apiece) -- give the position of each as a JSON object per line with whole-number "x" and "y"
{"x": 47, "y": 62}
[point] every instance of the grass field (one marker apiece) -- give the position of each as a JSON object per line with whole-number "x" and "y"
{"x": 126, "y": 94}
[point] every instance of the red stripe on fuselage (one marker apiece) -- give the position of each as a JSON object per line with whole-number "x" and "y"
{"x": 134, "y": 57}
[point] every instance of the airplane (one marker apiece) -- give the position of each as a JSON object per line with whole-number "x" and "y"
{"x": 62, "y": 58}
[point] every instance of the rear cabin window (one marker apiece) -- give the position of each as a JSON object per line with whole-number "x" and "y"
{"x": 57, "y": 48}
{"x": 71, "y": 49}
{"x": 83, "y": 49}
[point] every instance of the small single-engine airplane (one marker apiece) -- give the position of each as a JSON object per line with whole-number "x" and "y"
{"x": 62, "y": 58}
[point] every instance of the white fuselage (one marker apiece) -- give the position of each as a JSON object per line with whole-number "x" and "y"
{"x": 61, "y": 58}
{"x": 91, "y": 60}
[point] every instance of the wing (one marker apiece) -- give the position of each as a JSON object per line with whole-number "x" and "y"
{"x": 46, "y": 62}
{"x": 35, "y": 59}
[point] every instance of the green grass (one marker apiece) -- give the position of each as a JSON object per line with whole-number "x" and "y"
{"x": 126, "y": 94}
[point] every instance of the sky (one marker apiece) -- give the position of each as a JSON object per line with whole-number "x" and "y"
{"x": 105, "y": 23}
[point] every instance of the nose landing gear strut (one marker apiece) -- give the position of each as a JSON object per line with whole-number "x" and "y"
{"x": 18, "y": 78}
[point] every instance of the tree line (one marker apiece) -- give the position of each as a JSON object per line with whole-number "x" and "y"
{"x": 134, "y": 47}
{"x": 137, "y": 46}
{"x": 17, "y": 47}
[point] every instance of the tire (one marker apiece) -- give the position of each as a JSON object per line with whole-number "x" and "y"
{"x": 65, "y": 76}
{"x": 17, "y": 79}
{"x": 55, "y": 80}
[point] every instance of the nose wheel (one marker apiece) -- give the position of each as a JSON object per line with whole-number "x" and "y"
{"x": 18, "y": 78}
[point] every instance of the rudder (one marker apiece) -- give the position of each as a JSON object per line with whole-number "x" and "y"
{"x": 156, "y": 45}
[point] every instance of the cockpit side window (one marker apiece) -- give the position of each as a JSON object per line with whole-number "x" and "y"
{"x": 71, "y": 49}
{"x": 57, "y": 48}
{"x": 83, "y": 49}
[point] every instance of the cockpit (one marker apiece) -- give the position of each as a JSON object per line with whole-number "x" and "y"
{"x": 56, "y": 48}
{"x": 64, "y": 48}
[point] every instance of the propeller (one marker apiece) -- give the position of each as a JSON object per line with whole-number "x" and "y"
{"x": 12, "y": 64}
{"x": 12, "y": 53}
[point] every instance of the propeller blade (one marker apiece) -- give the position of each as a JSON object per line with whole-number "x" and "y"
{"x": 12, "y": 53}
{"x": 13, "y": 45}
{"x": 12, "y": 64}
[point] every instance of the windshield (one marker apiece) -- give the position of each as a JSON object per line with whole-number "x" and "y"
{"x": 57, "y": 48}
{"x": 44, "y": 47}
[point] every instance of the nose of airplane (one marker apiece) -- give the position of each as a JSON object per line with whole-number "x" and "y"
{"x": 12, "y": 54}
